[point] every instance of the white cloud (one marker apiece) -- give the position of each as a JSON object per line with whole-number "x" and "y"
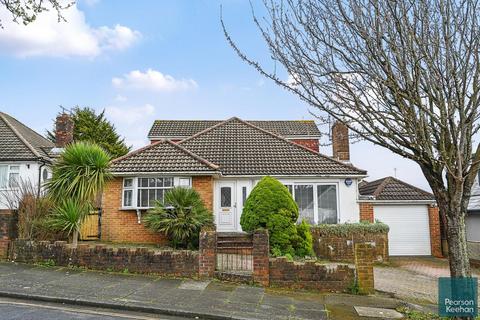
{"x": 153, "y": 80}
{"x": 120, "y": 98}
{"x": 91, "y": 3}
{"x": 48, "y": 37}
{"x": 132, "y": 122}
{"x": 130, "y": 115}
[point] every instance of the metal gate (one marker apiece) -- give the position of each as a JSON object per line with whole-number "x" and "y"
{"x": 91, "y": 227}
{"x": 234, "y": 253}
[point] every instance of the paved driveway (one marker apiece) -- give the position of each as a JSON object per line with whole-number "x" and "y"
{"x": 412, "y": 278}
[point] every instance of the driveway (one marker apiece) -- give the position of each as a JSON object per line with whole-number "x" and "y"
{"x": 413, "y": 278}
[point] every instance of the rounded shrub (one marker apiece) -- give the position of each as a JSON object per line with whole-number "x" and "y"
{"x": 271, "y": 206}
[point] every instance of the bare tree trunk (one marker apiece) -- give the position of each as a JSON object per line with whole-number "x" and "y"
{"x": 454, "y": 213}
{"x": 457, "y": 245}
{"x": 75, "y": 238}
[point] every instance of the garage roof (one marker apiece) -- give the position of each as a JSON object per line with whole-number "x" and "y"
{"x": 392, "y": 189}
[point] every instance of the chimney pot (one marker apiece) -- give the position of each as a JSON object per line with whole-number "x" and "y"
{"x": 340, "y": 141}
{"x": 63, "y": 130}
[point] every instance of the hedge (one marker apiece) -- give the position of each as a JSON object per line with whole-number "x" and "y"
{"x": 347, "y": 229}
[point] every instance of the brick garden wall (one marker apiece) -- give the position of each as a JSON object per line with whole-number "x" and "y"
{"x": 8, "y": 230}
{"x": 342, "y": 248}
{"x": 310, "y": 275}
{"x": 139, "y": 260}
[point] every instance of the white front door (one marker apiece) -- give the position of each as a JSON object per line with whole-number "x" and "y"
{"x": 226, "y": 206}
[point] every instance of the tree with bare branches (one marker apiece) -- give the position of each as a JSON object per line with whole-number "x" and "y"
{"x": 26, "y": 11}
{"x": 401, "y": 74}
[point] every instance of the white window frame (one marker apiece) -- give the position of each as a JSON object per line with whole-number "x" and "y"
{"x": 315, "y": 194}
{"x": 9, "y": 173}
{"x": 177, "y": 181}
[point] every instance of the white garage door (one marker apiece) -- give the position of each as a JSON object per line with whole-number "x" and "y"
{"x": 409, "y": 233}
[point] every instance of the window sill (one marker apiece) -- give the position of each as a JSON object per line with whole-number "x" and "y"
{"x": 134, "y": 209}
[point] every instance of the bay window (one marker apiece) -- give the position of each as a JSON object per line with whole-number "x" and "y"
{"x": 144, "y": 192}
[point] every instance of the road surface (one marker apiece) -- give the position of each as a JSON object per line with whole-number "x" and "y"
{"x": 13, "y": 309}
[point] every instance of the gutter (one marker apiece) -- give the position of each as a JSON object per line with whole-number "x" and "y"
{"x": 404, "y": 202}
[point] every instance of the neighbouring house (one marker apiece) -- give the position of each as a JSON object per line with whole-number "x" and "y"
{"x": 411, "y": 214}
{"x": 223, "y": 161}
{"x": 26, "y": 156}
{"x": 472, "y": 220}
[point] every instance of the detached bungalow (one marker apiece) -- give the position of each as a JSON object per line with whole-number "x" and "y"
{"x": 223, "y": 160}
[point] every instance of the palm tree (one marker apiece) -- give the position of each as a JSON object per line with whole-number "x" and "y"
{"x": 68, "y": 217}
{"x": 181, "y": 216}
{"x": 80, "y": 172}
{"x": 79, "y": 176}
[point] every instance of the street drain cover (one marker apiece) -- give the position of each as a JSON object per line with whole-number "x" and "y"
{"x": 378, "y": 313}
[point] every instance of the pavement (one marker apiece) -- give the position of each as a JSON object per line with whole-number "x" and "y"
{"x": 413, "y": 279}
{"x": 176, "y": 297}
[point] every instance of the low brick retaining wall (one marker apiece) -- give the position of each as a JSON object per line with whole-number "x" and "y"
{"x": 342, "y": 247}
{"x": 311, "y": 275}
{"x": 265, "y": 271}
{"x": 474, "y": 253}
{"x": 100, "y": 257}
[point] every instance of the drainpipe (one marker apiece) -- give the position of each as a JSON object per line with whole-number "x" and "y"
{"x": 43, "y": 163}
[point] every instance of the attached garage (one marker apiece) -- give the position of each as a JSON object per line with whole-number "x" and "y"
{"x": 409, "y": 233}
{"x": 410, "y": 213}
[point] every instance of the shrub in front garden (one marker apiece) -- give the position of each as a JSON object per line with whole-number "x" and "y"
{"x": 78, "y": 177}
{"x": 181, "y": 216}
{"x": 271, "y": 206}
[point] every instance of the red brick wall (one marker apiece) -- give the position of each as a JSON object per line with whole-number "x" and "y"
{"x": 122, "y": 225}
{"x": 309, "y": 143}
{"x": 182, "y": 263}
{"x": 310, "y": 275}
{"x": 204, "y": 186}
{"x": 435, "y": 238}
{"x": 342, "y": 248}
{"x": 366, "y": 212}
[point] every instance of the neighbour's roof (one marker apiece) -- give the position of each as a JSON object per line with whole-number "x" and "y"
{"x": 392, "y": 189}
{"x": 162, "y": 156}
{"x": 19, "y": 142}
{"x": 240, "y": 148}
{"x": 187, "y": 128}
{"x": 474, "y": 203}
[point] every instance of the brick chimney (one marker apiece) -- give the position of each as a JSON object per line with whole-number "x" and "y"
{"x": 63, "y": 130}
{"x": 340, "y": 141}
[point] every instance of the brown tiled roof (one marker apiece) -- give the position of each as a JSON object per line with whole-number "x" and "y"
{"x": 240, "y": 148}
{"x": 162, "y": 156}
{"x": 392, "y": 189}
{"x": 187, "y": 128}
{"x": 19, "y": 142}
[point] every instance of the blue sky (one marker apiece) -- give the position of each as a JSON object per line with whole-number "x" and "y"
{"x": 147, "y": 60}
